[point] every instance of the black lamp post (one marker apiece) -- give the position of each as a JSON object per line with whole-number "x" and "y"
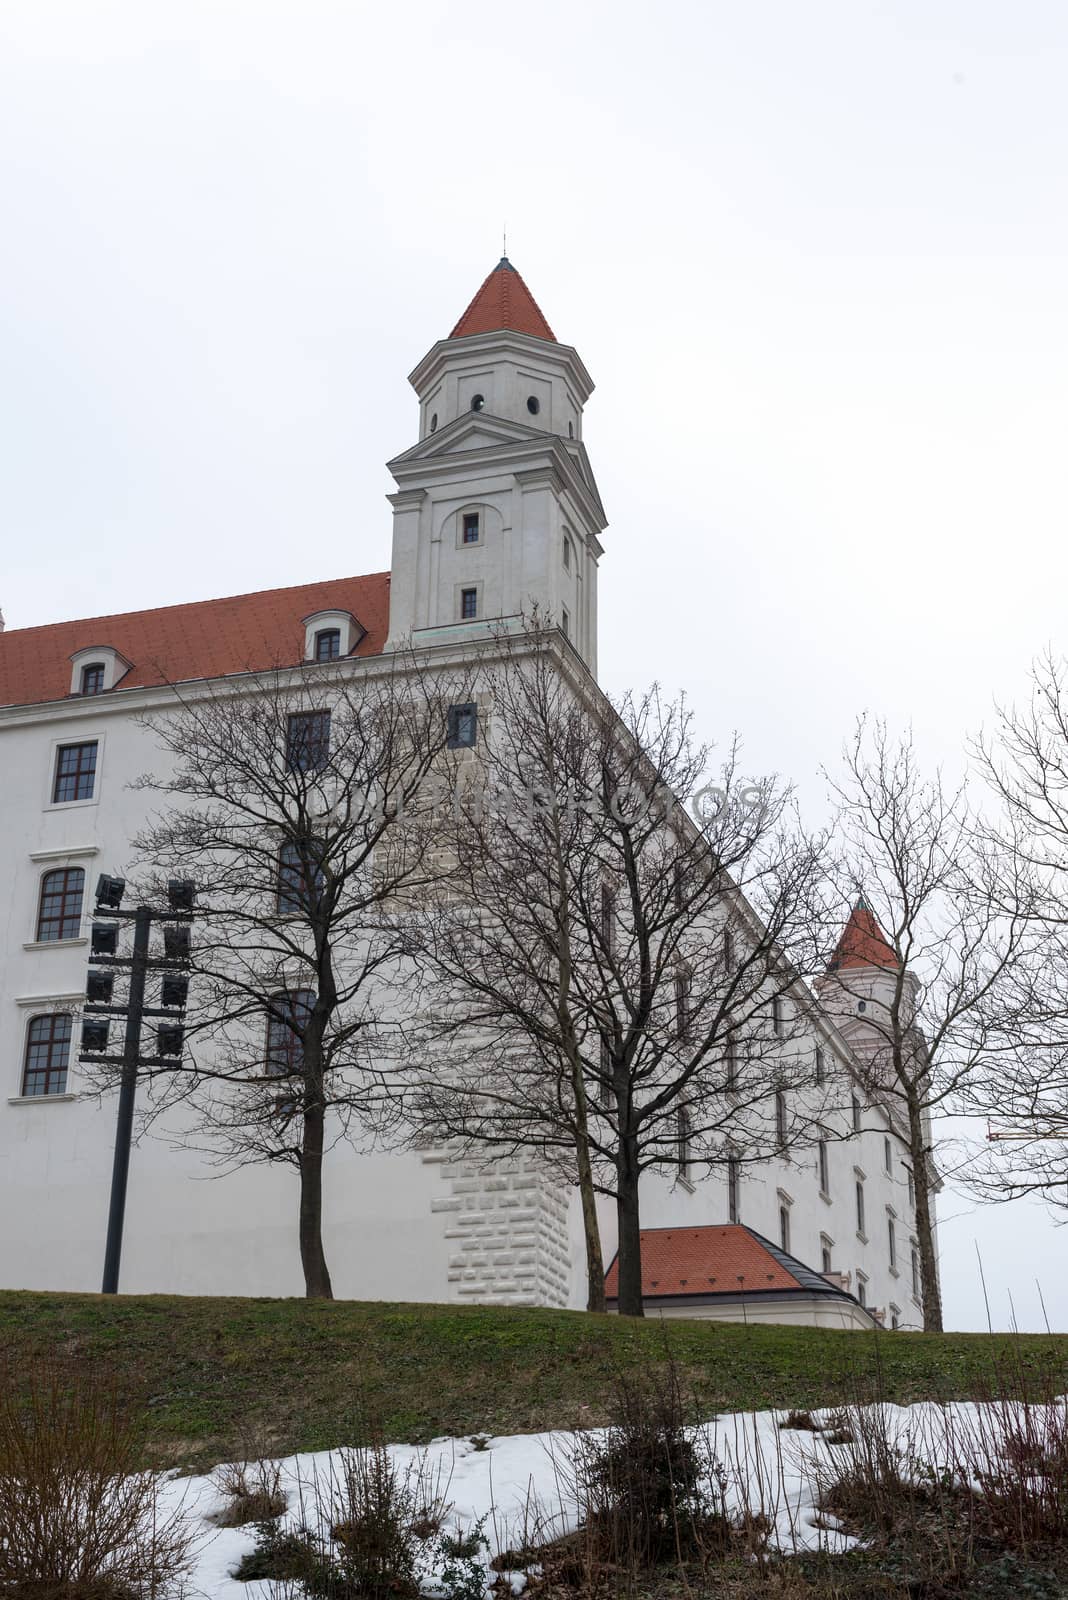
{"x": 181, "y": 894}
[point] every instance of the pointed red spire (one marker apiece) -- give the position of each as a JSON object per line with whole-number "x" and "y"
{"x": 504, "y": 301}
{"x": 863, "y": 943}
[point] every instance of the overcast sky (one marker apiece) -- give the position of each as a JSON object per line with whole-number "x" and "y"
{"x": 813, "y": 255}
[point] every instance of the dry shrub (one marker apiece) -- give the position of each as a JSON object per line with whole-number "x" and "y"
{"x": 1015, "y": 1451}
{"x": 79, "y": 1517}
{"x": 646, "y": 1489}
{"x": 253, "y": 1490}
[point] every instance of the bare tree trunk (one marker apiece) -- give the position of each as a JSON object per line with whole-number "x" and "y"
{"x": 630, "y": 1241}
{"x": 313, "y": 1259}
{"x": 931, "y": 1294}
{"x": 595, "y": 1297}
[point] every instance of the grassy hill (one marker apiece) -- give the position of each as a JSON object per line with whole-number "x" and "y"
{"x": 218, "y": 1377}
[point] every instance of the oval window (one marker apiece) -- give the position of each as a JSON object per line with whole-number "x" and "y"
{"x": 533, "y": 404}
{"x": 434, "y": 423}
{"x": 477, "y": 402}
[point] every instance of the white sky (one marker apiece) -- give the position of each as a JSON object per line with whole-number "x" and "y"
{"x": 813, "y": 254}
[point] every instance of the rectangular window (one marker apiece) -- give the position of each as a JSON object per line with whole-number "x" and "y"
{"x": 471, "y": 534}
{"x": 682, "y": 1005}
{"x": 604, "y": 1087}
{"x": 912, "y": 1186}
{"x": 856, "y": 1114}
{"x": 608, "y": 919}
{"x": 821, "y": 1065}
{"x": 93, "y": 678}
{"x": 328, "y": 644}
{"x": 300, "y": 877}
{"x": 777, "y": 1014}
{"x": 287, "y": 1019}
{"x": 784, "y": 1227}
{"x": 307, "y": 741}
{"x": 915, "y": 1272}
{"x": 733, "y": 1185}
{"x": 860, "y": 1206}
{"x": 891, "y": 1239}
{"x": 462, "y": 729}
{"x": 684, "y": 1142}
{"x": 780, "y": 1119}
{"x": 825, "y": 1182}
{"x": 825, "y": 1254}
{"x": 895, "y": 1317}
{"x": 468, "y": 604}
{"x": 888, "y": 1155}
{"x": 730, "y": 1066}
{"x": 862, "y": 1289}
{"x": 728, "y": 950}
{"x": 47, "y": 1054}
{"x": 75, "y": 772}
{"x": 60, "y": 912}
{"x": 565, "y": 623}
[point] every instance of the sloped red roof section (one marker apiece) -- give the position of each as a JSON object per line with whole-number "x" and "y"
{"x": 504, "y": 301}
{"x": 863, "y": 943}
{"x": 204, "y": 639}
{"x": 727, "y": 1259}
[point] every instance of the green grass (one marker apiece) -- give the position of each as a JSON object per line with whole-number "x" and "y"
{"x": 299, "y": 1375}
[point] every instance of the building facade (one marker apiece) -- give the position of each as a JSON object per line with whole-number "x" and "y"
{"x": 496, "y": 511}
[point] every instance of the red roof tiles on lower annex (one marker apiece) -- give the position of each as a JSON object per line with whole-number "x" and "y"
{"x": 503, "y": 301}
{"x": 863, "y": 943}
{"x": 728, "y": 1259}
{"x": 203, "y": 639}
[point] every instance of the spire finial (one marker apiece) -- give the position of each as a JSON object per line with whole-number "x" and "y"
{"x": 504, "y": 241}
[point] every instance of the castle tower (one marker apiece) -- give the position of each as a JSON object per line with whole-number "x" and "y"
{"x": 496, "y": 508}
{"x": 860, "y": 983}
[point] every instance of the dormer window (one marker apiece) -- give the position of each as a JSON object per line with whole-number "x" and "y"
{"x": 329, "y": 635}
{"x": 96, "y": 669}
{"x": 328, "y": 644}
{"x": 471, "y": 528}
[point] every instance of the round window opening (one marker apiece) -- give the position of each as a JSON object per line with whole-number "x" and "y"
{"x": 862, "y": 1005}
{"x": 533, "y": 404}
{"x": 477, "y": 402}
{"x": 434, "y": 423}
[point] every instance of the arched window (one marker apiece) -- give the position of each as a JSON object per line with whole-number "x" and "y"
{"x": 300, "y": 877}
{"x": 287, "y": 1017}
{"x": 567, "y": 553}
{"x": 59, "y": 915}
{"x": 93, "y": 678}
{"x": 47, "y": 1054}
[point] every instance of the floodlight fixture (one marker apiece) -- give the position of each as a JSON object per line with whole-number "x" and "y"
{"x": 94, "y": 1034}
{"x": 98, "y": 986}
{"x": 104, "y": 938}
{"x": 177, "y": 941}
{"x": 109, "y": 891}
{"x": 174, "y": 991}
{"x": 181, "y": 892}
{"x": 170, "y": 1037}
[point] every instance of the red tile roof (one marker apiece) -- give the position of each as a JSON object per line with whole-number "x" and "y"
{"x": 205, "y": 639}
{"x": 863, "y": 943}
{"x": 504, "y": 301}
{"x": 729, "y": 1259}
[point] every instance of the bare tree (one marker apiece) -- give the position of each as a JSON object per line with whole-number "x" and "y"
{"x": 301, "y": 803}
{"x": 615, "y": 986}
{"x": 948, "y": 933}
{"x": 1024, "y": 1094}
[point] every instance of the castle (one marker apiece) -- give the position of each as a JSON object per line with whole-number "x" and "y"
{"x": 496, "y": 509}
